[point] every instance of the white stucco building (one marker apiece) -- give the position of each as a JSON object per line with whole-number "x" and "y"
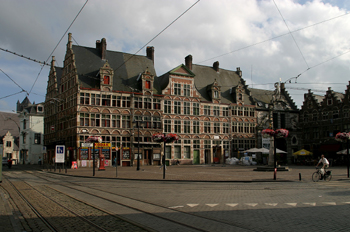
{"x": 31, "y": 133}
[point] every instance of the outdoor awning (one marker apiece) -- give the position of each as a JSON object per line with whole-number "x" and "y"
{"x": 302, "y": 152}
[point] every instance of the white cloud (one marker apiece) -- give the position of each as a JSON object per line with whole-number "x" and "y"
{"x": 210, "y": 29}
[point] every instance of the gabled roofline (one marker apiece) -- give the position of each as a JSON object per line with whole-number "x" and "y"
{"x": 191, "y": 74}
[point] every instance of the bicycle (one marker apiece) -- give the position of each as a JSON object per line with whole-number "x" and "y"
{"x": 316, "y": 176}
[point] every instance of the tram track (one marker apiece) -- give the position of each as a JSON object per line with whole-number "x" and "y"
{"x": 68, "y": 220}
{"x": 184, "y": 219}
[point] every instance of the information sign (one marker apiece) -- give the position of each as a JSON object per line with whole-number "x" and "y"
{"x": 60, "y": 150}
{"x": 86, "y": 144}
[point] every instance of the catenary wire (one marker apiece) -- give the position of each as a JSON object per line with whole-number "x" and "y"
{"x": 13, "y": 81}
{"x": 57, "y": 45}
{"x": 13, "y": 94}
{"x": 158, "y": 34}
{"x": 272, "y": 38}
{"x": 291, "y": 33}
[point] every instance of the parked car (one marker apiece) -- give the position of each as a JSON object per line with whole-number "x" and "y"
{"x": 4, "y": 161}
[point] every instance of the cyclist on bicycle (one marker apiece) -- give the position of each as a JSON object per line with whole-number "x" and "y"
{"x": 325, "y": 165}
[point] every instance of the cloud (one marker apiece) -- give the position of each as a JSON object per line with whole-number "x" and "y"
{"x": 210, "y": 29}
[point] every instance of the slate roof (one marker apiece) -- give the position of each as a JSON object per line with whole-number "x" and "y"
{"x": 88, "y": 63}
{"x": 9, "y": 124}
{"x": 261, "y": 96}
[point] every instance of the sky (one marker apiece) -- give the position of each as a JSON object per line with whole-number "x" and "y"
{"x": 270, "y": 40}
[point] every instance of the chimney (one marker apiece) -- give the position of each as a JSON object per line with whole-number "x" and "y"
{"x": 216, "y": 66}
{"x": 150, "y": 53}
{"x": 101, "y": 46}
{"x": 188, "y": 62}
{"x": 98, "y": 44}
{"x": 239, "y": 72}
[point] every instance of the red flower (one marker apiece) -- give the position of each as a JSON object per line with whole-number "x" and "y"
{"x": 281, "y": 133}
{"x": 342, "y": 136}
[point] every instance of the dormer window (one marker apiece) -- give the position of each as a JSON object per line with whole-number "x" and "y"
{"x": 147, "y": 84}
{"x": 106, "y": 80}
{"x": 240, "y": 97}
{"x": 216, "y": 94}
{"x": 40, "y": 109}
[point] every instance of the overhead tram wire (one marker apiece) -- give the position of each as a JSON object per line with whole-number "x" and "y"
{"x": 290, "y": 79}
{"x": 291, "y": 34}
{"x": 57, "y": 45}
{"x": 13, "y": 94}
{"x": 26, "y": 57}
{"x": 272, "y": 38}
{"x": 157, "y": 35}
{"x": 14, "y": 81}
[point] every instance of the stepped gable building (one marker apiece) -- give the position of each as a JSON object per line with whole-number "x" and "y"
{"x": 321, "y": 118}
{"x": 276, "y": 109}
{"x": 99, "y": 92}
{"x": 104, "y": 93}
{"x": 210, "y": 109}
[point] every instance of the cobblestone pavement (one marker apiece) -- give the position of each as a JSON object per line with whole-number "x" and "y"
{"x": 204, "y": 173}
{"x": 248, "y": 199}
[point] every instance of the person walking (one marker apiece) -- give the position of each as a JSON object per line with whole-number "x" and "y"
{"x": 325, "y": 163}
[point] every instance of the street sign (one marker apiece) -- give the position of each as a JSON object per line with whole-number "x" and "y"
{"x": 86, "y": 144}
{"x": 60, "y": 150}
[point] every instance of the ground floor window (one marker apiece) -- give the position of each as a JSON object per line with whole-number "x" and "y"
{"x": 168, "y": 152}
{"x": 177, "y": 152}
{"x": 187, "y": 152}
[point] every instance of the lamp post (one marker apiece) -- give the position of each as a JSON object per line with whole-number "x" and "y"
{"x": 279, "y": 133}
{"x": 169, "y": 138}
{"x": 93, "y": 139}
{"x": 138, "y": 124}
{"x": 344, "y": 137}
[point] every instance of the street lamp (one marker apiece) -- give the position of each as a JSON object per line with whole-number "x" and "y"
{"x": 138, "y": 124}
{"x": 93, "y": 139}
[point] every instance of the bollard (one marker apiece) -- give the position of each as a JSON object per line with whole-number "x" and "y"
{"x": 66, "y": 169}
{"x": 274, "y": 174}
{"x": 299, "y": 176}
{"x": 59, "y": 169}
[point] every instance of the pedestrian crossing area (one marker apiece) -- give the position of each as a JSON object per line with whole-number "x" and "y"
{"x": 253, "y": 205}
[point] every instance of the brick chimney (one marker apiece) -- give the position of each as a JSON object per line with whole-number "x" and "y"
{"x": 150, "y": 53}
{"x": 239, "y": 72}
{"x": 216, "y": 66}
{"x": 101, "y": 46}
{"x": 188, "y": 62}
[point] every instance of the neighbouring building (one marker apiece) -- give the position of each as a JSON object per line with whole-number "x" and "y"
{"x": 31, "y": 123}
{"x": 275, "y": 110}
{"x": 322, "y": 117}
{"x": 9, "y": 138}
